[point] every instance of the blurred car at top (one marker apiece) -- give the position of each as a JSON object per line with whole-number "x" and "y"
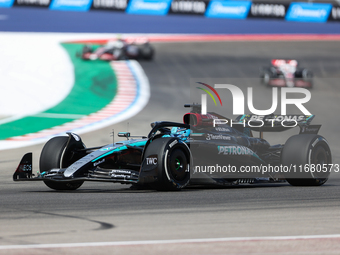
{"x": 286, "y": 73}
{"x": 119, "y": 49}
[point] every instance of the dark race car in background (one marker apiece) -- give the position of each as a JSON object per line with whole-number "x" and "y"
{"x": 286, "y": 73}
{"x": 120, "y": 49}
{"x": 169, "y": 157}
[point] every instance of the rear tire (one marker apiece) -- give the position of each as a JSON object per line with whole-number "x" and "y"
{"x": 55, "y": 154}
{"x": 147, "y": 52}
{"x": 311, "y": 152}
{"x": 87, "y": 49}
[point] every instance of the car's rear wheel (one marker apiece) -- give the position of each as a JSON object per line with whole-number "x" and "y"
{"x": 57, "y": 153}
{"x": 309, "y": 158}
{"x": 87, "y": 49}
{"x": 147, "y": 52}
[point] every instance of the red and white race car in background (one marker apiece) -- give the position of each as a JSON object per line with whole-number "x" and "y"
{"x": 286, "y": 73}
{"x": 119, "y": 49}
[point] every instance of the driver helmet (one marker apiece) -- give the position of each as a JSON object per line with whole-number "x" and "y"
{"x": 181, "y": 133}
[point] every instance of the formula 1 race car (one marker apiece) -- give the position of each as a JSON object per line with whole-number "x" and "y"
{"x": 120, "y": 49}
{"x": 286, "y": 73}
{"x": 174, "y": 155}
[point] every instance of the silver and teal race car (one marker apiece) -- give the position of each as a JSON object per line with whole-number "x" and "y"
{"x": 199, "y": 151}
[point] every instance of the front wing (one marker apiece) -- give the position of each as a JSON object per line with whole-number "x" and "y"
{"x": 24, "y": 173}
{"x": 280, "y": 82}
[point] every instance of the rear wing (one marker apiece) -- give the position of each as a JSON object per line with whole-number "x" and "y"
{"x": 278, "y": 123}
{"x": 281, "y": 62}
{"x": 247, "y": 123}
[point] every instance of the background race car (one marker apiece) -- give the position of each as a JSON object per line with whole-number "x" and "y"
{"x": 120, "y": 49}
{"x": 286, "y": 73}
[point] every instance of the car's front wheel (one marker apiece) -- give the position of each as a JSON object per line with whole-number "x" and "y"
{"x": 57, "y": 153}
{"x": 169, "y": 158}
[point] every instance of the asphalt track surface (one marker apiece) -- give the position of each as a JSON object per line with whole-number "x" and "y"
{"x": 31, "y": 213}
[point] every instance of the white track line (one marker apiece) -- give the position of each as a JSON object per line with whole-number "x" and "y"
{"x": 176, "y": 241}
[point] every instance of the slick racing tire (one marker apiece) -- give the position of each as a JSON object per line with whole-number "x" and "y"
{"x": 266, "y": 78}
{"x": 147, "y": 52}
{"x": 307, "y": 76}
{"x": 87, "y": 49}
{"x": 309, "y": 158}
{"x": 266, "y": 75}
{"x": 173, "y": 162}
{"x": 56, "y": 154}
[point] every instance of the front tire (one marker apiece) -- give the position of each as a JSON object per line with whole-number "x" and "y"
{"x": 173, "y": 162}
{"x": 312, "y": 153}
{"x": 266, "y": 75}
{"x": 266, "y": 78}
{"x": 58, "y": 154}
{"x": 308, "y": 76}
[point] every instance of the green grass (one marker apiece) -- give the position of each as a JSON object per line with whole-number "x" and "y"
{"x": 95, "y": 86}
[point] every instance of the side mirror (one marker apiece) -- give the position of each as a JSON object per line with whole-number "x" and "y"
{"x": 124, "y": 134}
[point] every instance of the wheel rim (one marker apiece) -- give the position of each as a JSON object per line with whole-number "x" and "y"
{"x": 178, "y": 166}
